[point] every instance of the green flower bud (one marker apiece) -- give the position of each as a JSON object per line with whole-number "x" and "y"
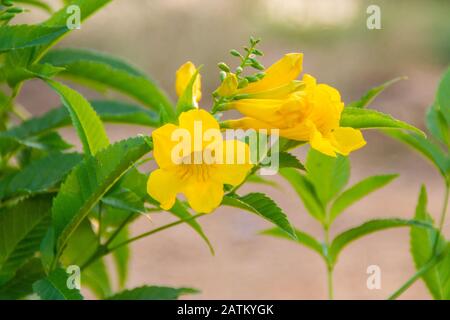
{"x": 235, "y": 53}
{"x": 242, "y": 83}
{"x": 15, "y": 10}
{"x": 223, "y": 66}
{"x": 239, "y": 70}
{"x": 222, "y": 75}
{"x": 7, "y": 16}
{"x": 257, "y": 52}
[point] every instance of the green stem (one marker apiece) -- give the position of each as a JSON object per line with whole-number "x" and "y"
{"x": 442, "y": 219}
{"x": 145, "y": 234}
{"x": 427, "y": 266}
{"x": 435, "y": 257}
{"x": 330, "y": 266}
{"x": 103, "y": 250}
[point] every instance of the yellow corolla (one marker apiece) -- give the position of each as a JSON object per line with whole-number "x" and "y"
{"x": 194, "y": 160}
{"x": 309, "y": 112}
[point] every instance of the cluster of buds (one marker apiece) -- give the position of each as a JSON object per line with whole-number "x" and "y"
{"x": 233, "y": 81}
{"x": 8, "y": 11}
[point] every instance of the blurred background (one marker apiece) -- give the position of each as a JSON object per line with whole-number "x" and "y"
{"x": 160, "y": 35}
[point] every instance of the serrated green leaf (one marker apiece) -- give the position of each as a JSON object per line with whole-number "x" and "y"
{"x": 54, "y": 287}
{"x": 108, "y": 111}
{"x": 303, "y": 238}
{"x": 36, "y": 3}
{"x": 30, "y": 55}
{"x": 370, "y": 95}
{"x": 263, "y": 206}
{"x": 89, "y": 181}
{"x": 22, "y": 228}
{"x": 88, "y": 125}
{"x": 21, "y": 285}
{"x": 327, "y": 174}
{"x": 357, "y": 192}
{"x": 437, "y": 124}
{"x": 346, "y": 237}
{"x": 80, "y": 247}
{"x": 370, "y": 119}
{"x": 41, "y": 174}
{"x": 306, "y": 191}
{"x": 179, "y": 210}
{"x": 422, "y": 243}
{"x": 287, "y": 160}
{"x": 431, "y": 151}
{"x": 443, "y": 95}
{"x": 110, "y": 72}
{"x": 26, "y": 36}
{"x": 153, "y": 293}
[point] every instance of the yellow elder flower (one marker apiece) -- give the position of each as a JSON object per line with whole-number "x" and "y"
{"x": 308, "y": 113}
{"x": 201, "y": 183}
{"x": 183, "y": 76}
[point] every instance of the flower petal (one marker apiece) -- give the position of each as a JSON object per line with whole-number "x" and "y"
{"x": 198, "y": 122}
{"x": 203, "y": 196}
{"x": 346, "y": 140}
{"x": 280, "y": 73}
{"x": 321, "y": 144}
{"x": 228, "y": 86}
{"x": 163, "y": 145}
{"x": 163, "y": 186}
{"x": 183, "y": 76}
{"x": 236, "y": 166}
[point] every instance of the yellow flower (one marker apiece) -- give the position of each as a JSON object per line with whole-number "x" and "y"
{"x": 193, "y": 158}
{"x": 304, "y": 112}
{"x": 183, "y": 76}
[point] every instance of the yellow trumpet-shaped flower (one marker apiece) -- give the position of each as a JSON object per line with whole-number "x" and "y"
{"x": 183, "y": 76}
{"x": 307, "y": 112}
{"x": 194, "y": 160}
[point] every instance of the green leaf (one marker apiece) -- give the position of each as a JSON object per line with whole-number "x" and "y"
{"x": 21, "y": 285}
{"x": 54, "y": 287}
{"x": 302, "y": 238}
{"x": 422, "y": 243}
{"x": 287, "y": 160}
{"x": 443, "y": 95}
{"x": 357, "y": 192}
{"x": 125, "y": 200}
{"x": 80, "y": 248}
{"x": 368, "y": 119}
{"x": 89, "y": 181}
{"x": 153, "y": 293}
{"x": 179, "y": 210}
{"x": 437, "y": 124}
{"x": 370, "y": 95}
{"x": 327, "y": 174}
{"x": 105, "y": 71}
{"x": 305, "y": 190}
{"x": 346, "y": 237}
{"x": 431, "y": 151}
{"x": 108, "y": 111}
{"x": 42, "y": 174}
{"x": 263, "y": 206}
{"x": 25, "y": 36}
{"x": 89, "y": 127}
{"x": 36, "y": 3}
{"x": 22, "y": 228}
{"x": 29, "y": 55}
{"x": 187, "y": 100}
